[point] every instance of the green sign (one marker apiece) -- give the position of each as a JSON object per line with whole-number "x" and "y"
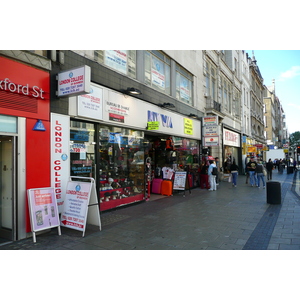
{"x": 154, "y": 125}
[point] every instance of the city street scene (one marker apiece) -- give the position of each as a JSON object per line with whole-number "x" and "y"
{"x": 230, "y": 218}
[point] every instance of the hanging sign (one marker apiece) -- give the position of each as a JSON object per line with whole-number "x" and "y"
{"x": 43, "y": 210}
{"x": 74, "y": 82}
{"x": 211, "y": 141}
{"x": 80, "y": 196}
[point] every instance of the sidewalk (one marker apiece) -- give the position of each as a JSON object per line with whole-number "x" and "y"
{"x": 227, "y": 219}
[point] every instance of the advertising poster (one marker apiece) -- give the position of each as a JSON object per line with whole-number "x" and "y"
{"x": 90, "y": 105}
{"x": 116, "y": 59}
{"x": 76, "y": 205}
{"x": 43, "y": 208}
{"x": 179, "y": 181}
{"x": 211, "y": 141}
{"x": 74, "y": 82}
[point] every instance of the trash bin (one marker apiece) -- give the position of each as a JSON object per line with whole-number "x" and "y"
{"x": 273, "y": 192}
{"x": 290, "y": 170}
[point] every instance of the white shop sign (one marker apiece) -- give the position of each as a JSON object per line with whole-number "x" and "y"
{"x": 74, "y": 82}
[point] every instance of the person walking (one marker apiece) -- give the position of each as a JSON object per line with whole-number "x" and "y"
{"x": 251, "y": 166}
{"x": 217, "y": 162}
{"x": 211, "y": 177}
{"x": 234, "y": 172}
{"x": 269, "y": 167}
{"x": 260, "y": 175}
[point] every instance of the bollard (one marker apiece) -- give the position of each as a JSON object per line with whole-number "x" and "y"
{"x": 273, "y": 192}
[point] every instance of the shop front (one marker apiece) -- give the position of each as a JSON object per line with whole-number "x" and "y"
{"x": 24, "y": 143}
{"x": 109, "y": 141}
{"x": 232, "y": 150}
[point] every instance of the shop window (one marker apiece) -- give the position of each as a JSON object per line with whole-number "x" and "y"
{"x": 82, "y": 149}
{"x": 121, "y": 166}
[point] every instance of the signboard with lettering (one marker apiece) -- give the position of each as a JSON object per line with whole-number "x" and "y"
{"x": 179, "y": 181}
{"x": 43, "y": 210}
{"x": 210, "y": 120}
{"x": 60, "y": 156}
{"x": 188, "y": 126}
{"x": 80, "y": 200}
{"x": 74, "y": 82}
{"x": 231, "y": 138}
{"x": 154, "y": 125}
{"x": 90, "y": 105}
{"x": 211, "y": 141}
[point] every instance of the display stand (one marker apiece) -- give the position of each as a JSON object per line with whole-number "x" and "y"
{"x": 43, "y": 210}
{"x": 81, "y": 205}
{"x": 181, "y": 182}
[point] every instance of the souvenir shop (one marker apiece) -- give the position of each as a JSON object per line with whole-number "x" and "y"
{"x": 108, "y": 142}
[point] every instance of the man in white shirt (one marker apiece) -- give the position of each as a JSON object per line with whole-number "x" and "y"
{"x": 211, "y": 177}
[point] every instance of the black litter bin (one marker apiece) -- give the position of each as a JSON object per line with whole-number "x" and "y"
{"x": 290, "y": 170}
{"x": 273, "y": 192}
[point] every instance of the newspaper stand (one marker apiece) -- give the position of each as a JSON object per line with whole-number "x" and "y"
{"x": 181, "y": 182}
{"x": 81, "y": 205}
{"x": 43, "y": 210}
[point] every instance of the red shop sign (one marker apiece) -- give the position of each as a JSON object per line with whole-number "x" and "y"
{"x": 24, "y": 90}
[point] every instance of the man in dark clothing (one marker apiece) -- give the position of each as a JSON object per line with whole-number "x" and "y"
{"x": 269, "y": 167}
{"x": 251, "y": 166}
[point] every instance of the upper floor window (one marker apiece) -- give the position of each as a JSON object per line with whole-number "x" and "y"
{"x": 184, "y": 85}
{"x": 123, "y": 61}
{"x": 211, "y": 85}
{"x": 157, "y": 70}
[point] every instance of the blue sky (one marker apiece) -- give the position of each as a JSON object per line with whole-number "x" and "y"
{"x": 284, "y": 67}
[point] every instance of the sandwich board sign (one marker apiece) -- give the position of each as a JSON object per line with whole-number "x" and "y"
{"x": 180, "y": 182}
{"x": 43, "y": 210}
{"x": 81, "y": 204}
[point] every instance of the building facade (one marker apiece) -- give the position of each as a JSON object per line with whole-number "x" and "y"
{"x": 147, "y": 114}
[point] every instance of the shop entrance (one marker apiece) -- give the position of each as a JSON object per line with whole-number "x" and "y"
{"x": 7, "y": 187}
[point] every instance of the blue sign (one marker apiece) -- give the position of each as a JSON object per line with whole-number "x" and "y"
{"x": 39, "y": 126}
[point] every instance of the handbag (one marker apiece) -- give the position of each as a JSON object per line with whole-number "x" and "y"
{"x": 265, "y": 172}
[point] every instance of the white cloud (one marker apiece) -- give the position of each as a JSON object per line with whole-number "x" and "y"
{"x": 291, "y": 73}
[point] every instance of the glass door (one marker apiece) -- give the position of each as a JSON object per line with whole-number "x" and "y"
{"x": 7, "y": 186}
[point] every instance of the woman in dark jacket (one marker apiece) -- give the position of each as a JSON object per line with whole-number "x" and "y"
{"x": 269, "y": 167}
{"x": 234, "y": 172}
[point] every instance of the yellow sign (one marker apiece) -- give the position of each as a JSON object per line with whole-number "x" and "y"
{"x": 251, "y": 149}
{"x": 154, "y": 125}
{"x": 188, "y": 126}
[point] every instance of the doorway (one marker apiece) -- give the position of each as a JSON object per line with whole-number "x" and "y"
{"x": 7, "y": 188}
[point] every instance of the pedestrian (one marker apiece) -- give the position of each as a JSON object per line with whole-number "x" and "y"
{"x": 203, "y": 176}
{"x": 234, "y": 172}
{"x": 260, "y": 175}
{"x": 211, "y": 177}
{"x": 217, "y": 162}
{"x": 295, "y": 165}
{"x": 269, "y": 167}
{"x": 251, "y": 166}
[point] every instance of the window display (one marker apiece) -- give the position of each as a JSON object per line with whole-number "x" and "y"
{"x": 82, "y": 149}
{"x": 121, "y": 166}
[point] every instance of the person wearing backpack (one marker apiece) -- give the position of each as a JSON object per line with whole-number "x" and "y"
{"x": 211, "y": 177}
{"x": 234, "y": 172}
